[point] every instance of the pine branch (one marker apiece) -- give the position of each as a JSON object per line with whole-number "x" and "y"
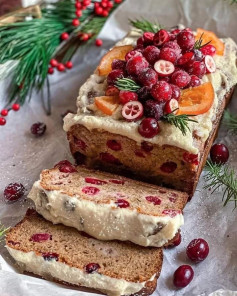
{"x": 127, "y": 84}
{"x": 199, "y": 43}
{"x": 3, "y": 231}
{"x": 230, "y": 121}
{"x": 145, "y": 25}
{"x": 224, "y": 178}
{"x": 179, "y": 121}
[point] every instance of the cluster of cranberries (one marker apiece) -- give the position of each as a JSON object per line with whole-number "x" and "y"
{"x": 4, "y": 113}
{"x": 162, "y": 64}
{"x": 103, "y": 8}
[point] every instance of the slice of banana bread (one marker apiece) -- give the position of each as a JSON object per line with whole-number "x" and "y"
{"x": 60, "y": 253}
{"x": 108, "y": 206}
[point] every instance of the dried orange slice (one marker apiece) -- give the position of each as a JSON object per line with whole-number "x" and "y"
{"x": 196, "y": 100}
{"x": 107, "y": 104}
{"x": 118, "y": 52}
{"x": 210, "y": 36}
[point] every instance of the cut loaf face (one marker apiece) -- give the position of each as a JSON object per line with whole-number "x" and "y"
{"x": 108, "y": 206}
{"x": 63, "y": 254}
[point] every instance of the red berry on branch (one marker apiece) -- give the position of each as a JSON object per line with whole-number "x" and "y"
{"x": 83, "y": 7}
{"x": 105, "y": 13}
{"x": 53, "y": 63}
{"x": 110, "y": 4}
{"x": 118, "y": 1}
{"x": 2, "y": 121}
{"x": 64, "y": 36}
{"x": 69, "y": 65}
{"x": 98, "y": 42}
{"x": 99, "y": 10}
{"x": 50, "y": 70}
{"x": 85, "y": 37}
{"x": 4, "y": 112}
{"x": 61, "y": 67}
{"x": 78, "y": 5}
{"x": 75, "y": 22}
{"x": 78, "y": 13}
{"x": 86, "y": 2}
{"x": 15, "y": 107}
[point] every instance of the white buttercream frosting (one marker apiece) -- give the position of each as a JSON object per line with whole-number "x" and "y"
{"x": 104, "y": 221}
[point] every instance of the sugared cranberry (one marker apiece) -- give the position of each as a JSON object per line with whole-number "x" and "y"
{"x": 149, "y": 128}
{"x": 40, "y": 237}
{"x": 136, "y": 65}
{"x": 185, "y": 58}
{"x": 148, "y": 77}
{"x": 197, "y": 68}
{"x": 194, "y": 81}
{"x": 208, "y": 49}
{"x": 14, "y": 191}
{"x": 183, "y": 276}
{"x": 175, "y": 31}
{"x": 161, "y": 37}
{"x": 165, "y": 78}
{"x": 161, "y": 91}
{"x": 140, "y": 42}
{"x": 168, "y": 167}
{"x": 191, "y": 158}
{"x": 122, "y": 203}
{"x": 144, "y": 93}
{"x": 117, "y": 181}
{"x": 164, "y": 68}
{"x": 153, "y": 109}
{"x": 107, "y": 157}
{"x": 50, "y": 256}
{"x": 198, "y": 56}
{"x": 197, "y": 250}
{"x": 174, "y": 45}
{"x": 132, "y": 53}
{"x": 146, "y": 146}
{"x": 176, "y": 241}
{"x": 114, "y": 75}
{"x": 148, "y": 38}
{"x": 92, "y": 267}
{"x": 151, "y": 53}
{"x": 118, "y": 65}
{"x": 95, "y": 181}
{"x": 180, "y": 78}
{"x": 168, "y": 54}
{"x": 153, "y": 199}
{"x": 90, "y": 190}
{"x": 186, "y": 40}
{"x": 38, "y": 129}
{"x": 176, "y": 92}
{"x": 126, "y": 96}
{"x": 114, "y": 145}
{"x": 219, "y": 153}
{"x": 171, "y": 106}
{"x": 170, "y": 212}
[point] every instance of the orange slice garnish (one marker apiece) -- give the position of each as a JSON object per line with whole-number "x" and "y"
{"x": 118, "y": 52}
{"x": 107, "y": 104}
{"x": 210, "y": 36}
{"x": 196, "y": 100}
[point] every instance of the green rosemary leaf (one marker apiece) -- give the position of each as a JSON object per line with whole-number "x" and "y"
{"x": 222, "y": 177}
{"x": 179, "y": 121}
{"x": 3, "y": 231}
{"x": 145, "y": 25}
{"x": 199, "y": 43}
{"x": 230, "y": 121}
{"x": 127, "y": 84}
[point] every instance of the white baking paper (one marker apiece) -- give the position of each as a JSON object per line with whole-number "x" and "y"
{"x": 22, "y": 158}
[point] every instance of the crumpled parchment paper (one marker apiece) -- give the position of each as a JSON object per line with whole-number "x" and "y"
{"x": 23, "y": 157}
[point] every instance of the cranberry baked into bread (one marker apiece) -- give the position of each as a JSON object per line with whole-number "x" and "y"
{"x": 108, "y": 206}
{"x": 61, "y": 253}
{"x": 132, "y": 111}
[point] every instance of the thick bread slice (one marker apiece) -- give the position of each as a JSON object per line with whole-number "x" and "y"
{"x": 62, "y": 253}
{"x": 109, "y": 206}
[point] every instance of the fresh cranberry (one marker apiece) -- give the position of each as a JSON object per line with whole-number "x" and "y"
{"x": 132, "y": 111}
{"x": 132, "y": 53}
{"x": 219, "y": 153}
{"x": 183, "y": 276}
{"x": 112, "y": 90}
{"x": 136, "y": 65}
{"x": 90, "y": 190}
{"x": 176, "y": 92}
{"x": 118, "y": 65}
{"x": 140, "y": 42}
{"x": 168, "y": 167}
{"x": 210, "y": 64}
{"x": 148, "y": 77}
{"x": 197, "y": 68}
{"x": 174, "y": 45}
{"x": 114, "y": 75}
{"x": 168, "y": 54}
{"x": 153, "y": 109}
{"x": 165, "y": 78}
{"x": 38, "y": 129}
{"x": 14, "y": 191}
{"x": 92, "y": 267}
{"x": 107, "y": 157}
{"x": 50, "y": 256}
{"x": 197, "y": 250}
{"x": 40, "y": 237}
{"x": 151, "y": 53}
{"x": 146, "y": 146}
{"x": 161, "y": 91}
{"x": 164, "y": 68}
{"x": 80, "y": 143}
{"x": 126, "y": 96}
{"x": 185, "y": 58}
{"x": 153, "y": 199}
{"x": 208, "y": 49}
{"x": 161, "y": 37}
{"x": 170, "y": 212}
{"x": 176, "y": 241}
{"x": 149, "y": 128}
{"x": 122, "y": 203}
{"x": 144, "y": 93}
{"x": 186, "y": 40}
{"x": 175, "y": 31}
{"x": 198, "y": 56}
{"x": 191, "y": 158}
{"x": 114, "y": 145}
{"x": 180, "y": 78}
{"x": 171, "y": 106}
{"x": 117, "y": 181}
{"x": 194, "y": 81}
{"x": 148, "y": 38}
{"x": 95, "y": 181}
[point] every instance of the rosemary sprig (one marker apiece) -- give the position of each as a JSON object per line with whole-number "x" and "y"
{"x": 3, "y": 231}
{"x": 127, "y": 84}
{"x": 199, "y": 43}
{"x": 179, "y": 121}
{"x": 230, "y": 121}
{"x": 145, "y": 25}
{"x": 222, "y": 177}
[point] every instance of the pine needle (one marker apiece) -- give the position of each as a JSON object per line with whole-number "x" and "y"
{"x": 145, "y": 25}
{"x": 230, "y": 121}
{"x": 222, "y": 177}
{"x": 127, "y": 84}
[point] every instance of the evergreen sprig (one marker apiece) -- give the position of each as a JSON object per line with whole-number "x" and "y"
{"x": 222, "y": 177}
{"x": 3, "y": 231}
{"x": 199, "y": 43}
{"x": 230, "y": 121}
{"x": 179, "y": 121}
{"x": 145, "y": 25}
{"x": 127, "y": 84}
